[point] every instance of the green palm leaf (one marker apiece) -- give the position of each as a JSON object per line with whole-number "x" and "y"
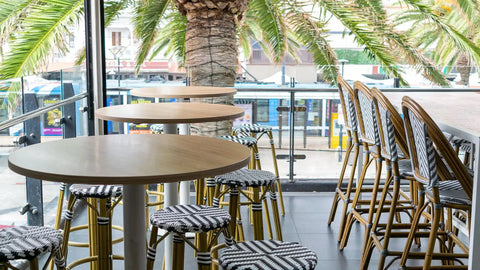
{"x": 171, "y": 37}
{"x": 43, "y": 30}
{"x": 146, "y": 21}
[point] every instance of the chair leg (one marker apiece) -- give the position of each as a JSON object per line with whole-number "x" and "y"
{"x": 276, "y": 216}
{"x": 277, "y": 174}
{"x": 257, "y": 215}
{"x": 152, "y": 248}
{"x": 104, "y": 237}
{"x": 411, "y": 235}
{"x": 432, "y": 238}
{"x": 204, "y": 259}
{"x": 336, "y": 197}
{"x": 178, "y": 252}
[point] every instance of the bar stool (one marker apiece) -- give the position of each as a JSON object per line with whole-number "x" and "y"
{"x": 28, "y": 242}
{"x": 101, "y": 200}
{"x": 257, "y": 131}
{"x": 256, "y": 179}
{"x": 180, "y": 219}
{"x": 267, "y": 255}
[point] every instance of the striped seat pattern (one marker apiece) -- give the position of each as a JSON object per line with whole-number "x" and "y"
{"x": 246, "y": 177}
{"x": 190, "y": 218}
{"x": 95, "y": 191}
{"x": 244, "y": 140}
{"x": 156, "y": 128}
{"x": 27, "y": 242}
{"x": 450, "y": 191}
{"x": 252, "y": 128}
{"x": 268, "y": 255}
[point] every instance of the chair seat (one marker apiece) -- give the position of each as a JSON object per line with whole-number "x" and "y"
{"x": 244, "y": 140}
{"x": 190, "y": 218}
{"x": 246, "y": 178}
{"x": 95, "y": 191}
{"x": 268, "y": 255}
{"x": 405, "y": 168}
{"x": 451, "y": 192}
{"x": 252, "y": 128}
{"x": 27, "y": 242}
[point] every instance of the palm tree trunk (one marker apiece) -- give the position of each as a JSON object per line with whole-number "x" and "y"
{"x": 211, "y": 50}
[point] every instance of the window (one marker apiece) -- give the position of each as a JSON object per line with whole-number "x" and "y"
{"x": 116, "y": 38}
{"x": 257, "y": 55}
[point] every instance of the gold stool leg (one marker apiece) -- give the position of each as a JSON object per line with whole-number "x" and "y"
{"x": 92, "y": 232}
{"x": 276, "y": 216}
{"x": 204, "y": 259}
{"x": 211, "y": 185}
{"x": 257, "y": 215}
{"x": 178, "y": 252}
{"x": 267, "y": 215}
{"x": 61, "y": 197}
{"x": 67, "y": 225}
{"x": 277, "y": 174}
{"x": 233, "y": 206}
{"x": 33, "y": 264}
{"x": 200, "y": 191}
{"x": 240, "y": 234}
{"x": 159, "y": 196}
{"x": 152, "y": 248}
{"x": 104, "y": 240}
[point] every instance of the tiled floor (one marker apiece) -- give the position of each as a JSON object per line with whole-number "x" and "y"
{"x": 305, "y": 221}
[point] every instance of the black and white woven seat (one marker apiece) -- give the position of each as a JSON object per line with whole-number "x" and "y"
{"x": 450, "y": 191}
{"x": 95, "y": 191}
{"x": 28, "y": 242}
{"x": 268, "y": 255}
{"x": 246, "y": 178}
{"x": 156, "y": 128}
{"x": 251, "y": 128}
{"x": 190, "y": 218}
{"x": 180, "y": 219}
{"x": 244, "y": 140}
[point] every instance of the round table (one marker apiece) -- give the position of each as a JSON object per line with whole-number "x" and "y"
{"x": 133, "y": 161}
{"x": 183, "y": 91}
{"x": 170, "y": 114}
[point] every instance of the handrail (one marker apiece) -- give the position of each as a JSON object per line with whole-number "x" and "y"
{"x": 332, "y": 90}
{"x": 26, "y": 116}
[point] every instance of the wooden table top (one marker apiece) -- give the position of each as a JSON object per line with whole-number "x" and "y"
{"x": 129, "y": 159}
{"x": 169, "y": 113}
{"x": 460, "y": 110}
{"x": 183, "y": 91}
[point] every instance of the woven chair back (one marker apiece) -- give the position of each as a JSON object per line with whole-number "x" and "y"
{"x": 349, "y": 114}
{"x": 367, "y": 120}
{"x": 390, "y": 126}
{"x": 424, "y": 140}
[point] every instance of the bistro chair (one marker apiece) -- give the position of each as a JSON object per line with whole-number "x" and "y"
{"x": 100, "y": 200}
{"x": 27, "y": 243}
{"x": 181, "y": 219}
{"x": 258, "y": 131}
{"x": 261, "y": 182}
{"x": 370, "y": 138}
{"x": 342, "y": 192}
{"x": 267, "y": 255}
{"x": 394, "y": 150}
{"x": 448, "y": 187}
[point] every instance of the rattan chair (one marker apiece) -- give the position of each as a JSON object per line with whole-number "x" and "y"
{"x": 342, "y": 192}
{"x": 29, "y": 242}
{"x": 394, "y": 150}
{"x": 258, "y": 131}
{"x": 448, "y": 187}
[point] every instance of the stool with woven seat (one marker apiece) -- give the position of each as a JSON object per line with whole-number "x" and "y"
{"x": 27, "y": 243}
{"x": 267, "y": 255}
{"x": 257, "y": 131}
{"x": 101, "y": 200}
{"x": 181, "y": 219}
{"x": 255, "y": 179}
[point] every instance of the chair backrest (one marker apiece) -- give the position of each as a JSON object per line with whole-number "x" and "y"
{"x": 390, "y": 127}
{"x": 424, "y": 140}
{"x": 349, "y": 114}
{"x": 367, "y": 120}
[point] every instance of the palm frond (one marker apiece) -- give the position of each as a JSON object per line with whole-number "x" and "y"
{"x": 267, "y": 14}
{"x": 112, "y": 9}
{"x": 171, "y": 37}
{"x": 11, "y": 14}
{"x": 146, "y": 20}
{"x": 43, "y": 31}
{"x": 310, "y": 33}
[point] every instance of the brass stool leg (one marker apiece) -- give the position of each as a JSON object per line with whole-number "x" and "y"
{"x": 92, "y": 232}
{"x": 233, "y": 206}
{"x": 257, "y": 215}
{"x": 240, "y": 234}
{"x": 147, "y": 211}
{"x": 152, "y": 248}
{"x": 199, "y": 198}
{"x": 159, "y": 196}
{"x": 33, "y": 264}
{"x": 103, "y": 238}
{"x": 211, "y": 185}
{"x": 256, "y": 156}
{"x": 67, "y": 225}
{"x": 61, "y": 197}
{"x": 267, "y": 214}
{"x": 204, "y": 259}
{"x": 178, "y": 252}
{"x": 277, "y": 174}
{"x": 276, "y": 216}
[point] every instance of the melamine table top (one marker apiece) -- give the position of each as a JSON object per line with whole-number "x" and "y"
{"x": 460, "y": 110}
{"x": 183, "y": 91}
{"x": 129, "y": 159}
{"x": 169, "y": 113}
